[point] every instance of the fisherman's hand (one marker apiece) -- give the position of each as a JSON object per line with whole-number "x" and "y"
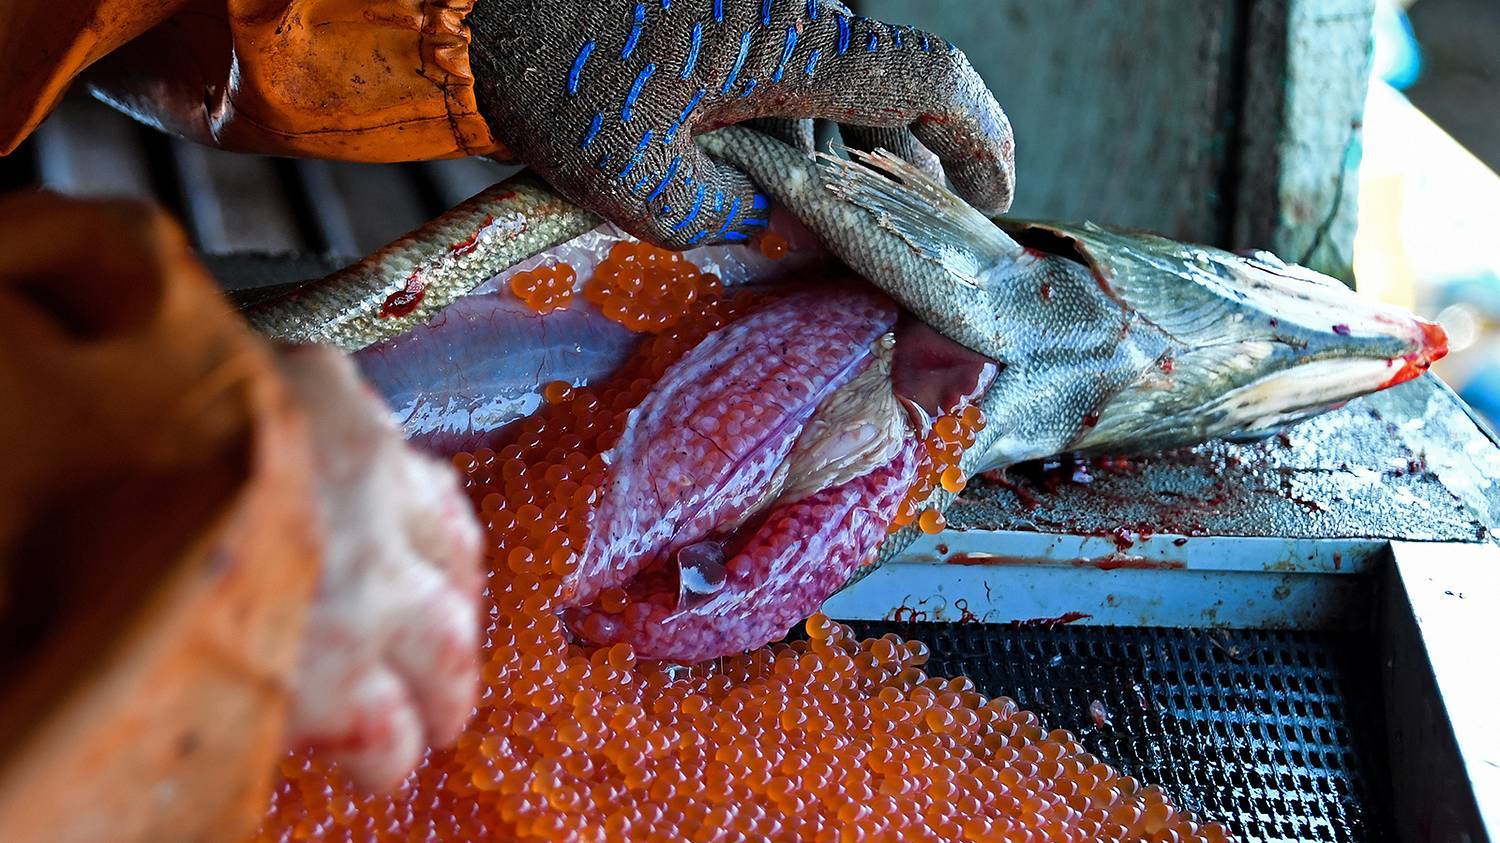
{"x": 388, "y": 662}
{"x": 603, "y": 98}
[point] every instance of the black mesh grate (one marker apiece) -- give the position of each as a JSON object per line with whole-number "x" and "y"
{"x": 1278, "y": 735}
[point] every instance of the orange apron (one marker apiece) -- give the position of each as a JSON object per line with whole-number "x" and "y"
{"x": 157, "y": 555}
{"x": 360, "y": 80}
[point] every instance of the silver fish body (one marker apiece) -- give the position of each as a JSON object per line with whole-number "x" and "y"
{"x": 408, "y": 282}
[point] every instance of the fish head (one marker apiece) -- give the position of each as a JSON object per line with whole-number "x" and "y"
{"x": 1142, "y": 342}
{"x": 1251, "y": 343}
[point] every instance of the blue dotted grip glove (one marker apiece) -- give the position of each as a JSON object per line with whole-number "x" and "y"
{"x": 603, "y": 98}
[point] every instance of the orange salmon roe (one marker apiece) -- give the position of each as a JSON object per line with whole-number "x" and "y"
{"x": 646, "y": 288}
{"x": 945, "y": 444}
{"x": 931, "y": 521}
{"x": 830, "y": 739}
{"x": 774, "y": 246}
{"x": 556, "y": 392}
{"x": 545, "y": 288}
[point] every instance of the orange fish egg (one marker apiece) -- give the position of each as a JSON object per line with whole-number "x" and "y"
{"x": 952, "y": 479}
{"x": 545, "y": 288}
{"x": 831, "y": 738}
{"x": 931, "y": 521}
{"x": 646, "y": 288}
{"x": 557, "y": 392}
{"x": 938, "y": 466}
{"x": 774, "y": 246}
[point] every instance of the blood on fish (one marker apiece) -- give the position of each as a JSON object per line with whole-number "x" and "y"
{"x": 470, "y": 243}
{"x": 405, "y": 300}
{"x": 1434, "y": 347}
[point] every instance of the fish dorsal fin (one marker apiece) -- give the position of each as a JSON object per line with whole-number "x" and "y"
{"x": 932, "y": 220}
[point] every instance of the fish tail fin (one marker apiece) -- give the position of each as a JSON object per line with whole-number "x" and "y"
{"x": 923, "y": 213}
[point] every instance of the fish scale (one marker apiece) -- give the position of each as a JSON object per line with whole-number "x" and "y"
{"x": 869, "y": 247}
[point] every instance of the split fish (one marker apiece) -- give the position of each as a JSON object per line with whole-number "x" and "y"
{"x": 767, "y": 462}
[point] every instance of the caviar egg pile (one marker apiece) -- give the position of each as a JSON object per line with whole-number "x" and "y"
{"x": 545, "y": 288}
{"x": 828, "y": 739}
{"x": 646, "y": 288}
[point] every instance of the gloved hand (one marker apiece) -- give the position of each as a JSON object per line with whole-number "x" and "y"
{"x": 603, "y": 98}
{"x": 389, "y": 657}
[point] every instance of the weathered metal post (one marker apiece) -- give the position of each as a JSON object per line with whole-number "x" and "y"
{"x": 1230, "y": 122}
{"x": 1306, "y": 73}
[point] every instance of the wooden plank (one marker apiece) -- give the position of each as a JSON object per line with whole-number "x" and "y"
{"x": 1120, "y": 110}
{"x": 88, "y": 149}
{"x": 234, "y": 202}
{"x": 1307, "y": 72}
{"x": 329, "y": 211}
{"x": 457, "y": 179}
{"x": 382, "y": 200}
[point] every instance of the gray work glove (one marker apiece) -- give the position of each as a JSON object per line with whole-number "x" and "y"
{"x": 603, "y": 97}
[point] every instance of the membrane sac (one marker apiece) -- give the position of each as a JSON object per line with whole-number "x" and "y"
{"x": 827, "y": 739}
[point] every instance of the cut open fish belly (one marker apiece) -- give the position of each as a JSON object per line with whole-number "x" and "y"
{"x": 481, "y": 363}
{"x": 712, "y": 433}
{"x": 704, "y": 458}
{"x": 685, "y": 518}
